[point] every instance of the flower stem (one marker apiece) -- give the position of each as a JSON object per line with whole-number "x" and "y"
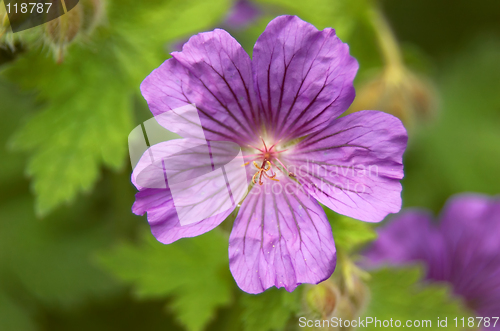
{"x": 391, "y": 52}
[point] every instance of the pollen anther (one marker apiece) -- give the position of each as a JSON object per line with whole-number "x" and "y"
{"x": 262, "y": 171}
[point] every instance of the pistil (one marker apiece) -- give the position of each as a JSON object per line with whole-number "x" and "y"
{"x": 268, "y": 156}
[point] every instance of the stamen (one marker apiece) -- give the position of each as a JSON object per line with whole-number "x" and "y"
{"x": 267, "y": 157}
{"x": 271, "y": 177}
{"x": 291, "y": 174}
{"x": 276, "y": 143}
{"x": 256, "y": 148}
{"x": 274, "y": 164}
{"x": 264, "y": 143}
{"x": 253, "y": 178}
{"x": 252, "y": 155}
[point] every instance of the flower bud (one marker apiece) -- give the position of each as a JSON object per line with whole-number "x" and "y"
{"x": 63, "y": 30}
{"x": 93, "y": 13}
{"x": 4, "y": 21}
{"x": 355, "y": 300}
{"x": 332, "y": 298}
{"x": 322, "y": 299}
{"x": 399, "y": 92}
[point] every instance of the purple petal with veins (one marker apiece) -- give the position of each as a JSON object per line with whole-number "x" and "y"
{"x": 355, "y": 165}
{"x": 303, "y": 77}
{"x": 281, "y": 237}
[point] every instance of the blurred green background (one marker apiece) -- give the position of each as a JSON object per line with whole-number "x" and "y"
{"x": 74, "y": 257}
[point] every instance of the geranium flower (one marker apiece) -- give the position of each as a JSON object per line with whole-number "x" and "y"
{"x": 281, "y": 109}
{"x": 242, "y": 14}
{"x": 462, "y": 249}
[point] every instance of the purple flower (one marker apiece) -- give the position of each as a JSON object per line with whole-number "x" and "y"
{"x": 281, "y": 109}
{"x": 462, "y": 249}
{"x": 242, "y": 14}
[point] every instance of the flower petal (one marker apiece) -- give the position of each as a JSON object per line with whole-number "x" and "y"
{"x": 355, "y": 165}
{"x": 213, "y": 72}
{"x": 303, "y": 77}
{"x": 281, "y": 237}
{"x": 470, "y": 225}
{"x": 188, "y": 188}
{"x": 163, "y": 219}
{"x": 411, "y": 237}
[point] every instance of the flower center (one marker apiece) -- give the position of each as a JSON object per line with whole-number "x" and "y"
{"x": 265, "y": 160}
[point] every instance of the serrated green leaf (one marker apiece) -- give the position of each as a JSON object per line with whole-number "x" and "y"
{"x": 270, "y": 310}
{"x": 401, "y": 295}
{"x": 87, "y": 112}
{"x": 193, "y": 271}
{"x": 349, "y": 233}
{"x": 84, "y": 123}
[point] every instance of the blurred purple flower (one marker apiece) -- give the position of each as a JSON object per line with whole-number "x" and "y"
{"x": 463, "y": 249}
{"x": 242, "y": 14}
{"x": 281, "y": 109}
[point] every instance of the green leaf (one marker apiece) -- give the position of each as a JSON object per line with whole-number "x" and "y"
{"x": 349, "y": 233}
{"x": 270, "y": 310}
{"x": 87, "y": 100}
{"x": 142, "y": 31}
{"x": 84, "y": 122}
{"x": 401, "y": 295}
{"x": 342, "y": 15}
{"x": 193, "y": 271}
{"x": 14, "y": 105}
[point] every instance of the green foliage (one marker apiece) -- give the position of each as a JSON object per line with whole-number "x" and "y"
{"x": 349, "y": 233}
{"x": 45, "y": 263}
{"x": 87, "y": 101}
{"x": 83, "y": 123}
{"x": 343, "y": 15}
{"x": 461, "y": 150}
{"x": 270, "y": 310}
{"x": 142, "y": 32}
{"x": 349, "y": 18}
{"x": 13, "y": 316}
{"x": 401, "y": 295}
{"x": 193, "y": 271}
{"x": 73, "y": 119}
{"x": 14, "y": 104}
{"x": 51, "y": 260}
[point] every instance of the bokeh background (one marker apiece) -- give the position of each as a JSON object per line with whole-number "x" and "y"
{"x": 74, "y": 257}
